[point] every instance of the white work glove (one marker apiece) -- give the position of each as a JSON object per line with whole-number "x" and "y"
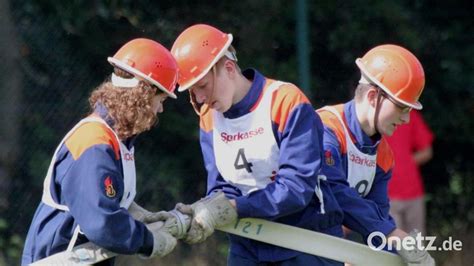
{"x": 207, "y": 213}
{"x": 415, "y": 256}
{"x": 142, "y": 215}
{"x": 163, "y": 241}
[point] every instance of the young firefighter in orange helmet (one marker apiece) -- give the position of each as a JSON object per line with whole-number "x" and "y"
{"x": 89, "y": 189}
{"x": 358, "y": 160}
{"x": 253, "y": 130}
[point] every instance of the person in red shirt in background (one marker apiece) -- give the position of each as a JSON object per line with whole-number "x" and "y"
{"x": 411, "y": 146}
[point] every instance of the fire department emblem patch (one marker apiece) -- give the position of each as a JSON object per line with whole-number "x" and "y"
{"x": 329, "y": 158}
{"x": 109, "y": 187}
{"x": 273, "y": 175}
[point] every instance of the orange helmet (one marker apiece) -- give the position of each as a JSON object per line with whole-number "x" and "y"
{"x": 197, "y": 50}
{"x": 396, "y": 71}
{"x": 146, "y": 60}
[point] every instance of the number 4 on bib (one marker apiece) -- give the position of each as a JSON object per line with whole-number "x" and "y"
{"x": 241, "y": 161}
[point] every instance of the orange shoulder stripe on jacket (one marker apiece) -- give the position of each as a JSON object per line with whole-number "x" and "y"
{"x": 284, "y": 100}
{"x": 331, "y": 121}
{"x": 88, "y": 135}
{"x": 384, "y": 155}
{"x": 205, "y": 119}
{"x": 268, "y": 82}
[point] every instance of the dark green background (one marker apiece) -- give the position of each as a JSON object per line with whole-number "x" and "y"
{"x": 53, "y": 53}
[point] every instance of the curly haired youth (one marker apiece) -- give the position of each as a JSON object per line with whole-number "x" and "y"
{"x": 129, "y": 108}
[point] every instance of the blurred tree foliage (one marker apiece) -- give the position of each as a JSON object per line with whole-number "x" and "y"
{"x": 64, "y": 45}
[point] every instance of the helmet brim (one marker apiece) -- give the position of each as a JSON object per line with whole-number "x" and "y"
{"x": 117, "y": 63}
{"x": 371, "y": 79}
{"x": 190, "y": 83}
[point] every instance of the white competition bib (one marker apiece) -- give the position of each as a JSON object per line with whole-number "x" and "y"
{"x": 245, "y": 148}
{"x": 129, "y": 174}
{"x": 361, "y": 167}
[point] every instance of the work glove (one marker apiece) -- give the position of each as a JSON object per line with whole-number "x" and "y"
{"x": 142, "y": 215}
{"x": 416, "y": 256}
{"x": 163, "y": 241}
{"x": 207, "y": 214}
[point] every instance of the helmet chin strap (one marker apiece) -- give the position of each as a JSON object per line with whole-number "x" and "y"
{"x": 194, "y": 103}
{"x": 192, "y": 97}
{"x": 377, "y": 109}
